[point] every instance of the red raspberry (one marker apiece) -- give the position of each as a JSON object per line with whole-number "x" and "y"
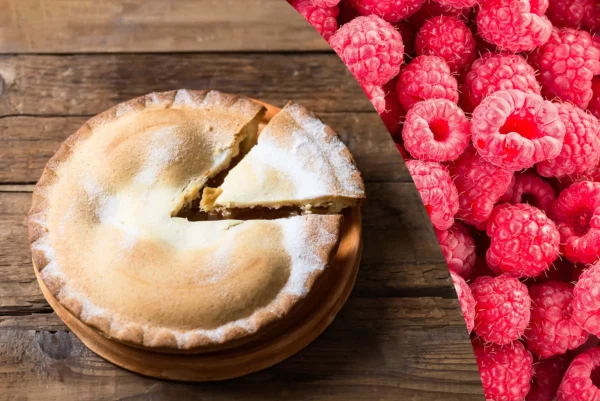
{"x": 436, "y": 130}
{"x": 448, "y": 38}
{"x": 389, "y": 10}
{"x": 376, "y": 95}
{"x": 567, "y": 13}
{"x": 371, "y": 48}
{"x": 459, "y": 3}
{"x": 480, "y": 185}
{"x": 458, "y": 248}
{"x": 432, "y": 8}
{"x": 515, "y": 130}
{"x": 577, "y": 214}
{"x": 426, "y": 77}
{"x": 437, "y": 191}
{"x": 547, "y": 374}
{"x": 493, "y": 72}
{"x": 465, "y": 299}
{"x": 594, "y": 106}
{"x": 552, "y": 330}
{"x": 325, "y": 3}
{"x": 502, "y": 308}
{"x": 567, "y": 64}
{"x": 586, "y": 300}
{"x": 525, "y": 241}
{"x": 393, "y": 114}
{"x": 581, "y": 147}
{"x": 505, "y": 370}
{"x": 530, "y": 188}
{"x": 323, "y": 19}
{"x": 577, "y": 383}
{"x": 512, "y": 25}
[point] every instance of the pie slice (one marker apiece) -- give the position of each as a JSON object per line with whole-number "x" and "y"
{"x": 108, "y": 245}
{"x": 298, "y": 162}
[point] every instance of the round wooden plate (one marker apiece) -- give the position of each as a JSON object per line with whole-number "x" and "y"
{"x": 248, "y": 358}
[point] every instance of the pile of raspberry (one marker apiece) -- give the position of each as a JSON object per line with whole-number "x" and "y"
{"x": 494, "y": 106}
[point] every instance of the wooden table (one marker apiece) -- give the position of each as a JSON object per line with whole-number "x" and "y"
{"x": 400, "y": 336}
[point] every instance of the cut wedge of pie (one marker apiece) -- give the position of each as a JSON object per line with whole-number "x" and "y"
{"x": 298, "y": 162}
{"x": 107, "y": 242}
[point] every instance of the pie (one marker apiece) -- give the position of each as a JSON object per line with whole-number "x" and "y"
{"x": 111, "y": 241}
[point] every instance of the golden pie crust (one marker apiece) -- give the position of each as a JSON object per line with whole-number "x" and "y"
{"x": 107, "y": 244}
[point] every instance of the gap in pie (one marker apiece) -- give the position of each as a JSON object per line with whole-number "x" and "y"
{"x": 118, "y": 239}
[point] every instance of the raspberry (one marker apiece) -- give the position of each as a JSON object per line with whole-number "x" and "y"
{"x": 323, "y": 19}
{"x": 567, "y": 64}
{"x": 426, "y": 77}
{"x": 567, "y": 13}
{"x": 502, "y": 308}
{"x": 512, "y": 25}
{"x": 436, "y": 130}
{"x": 432, "y": 8}
{"x": 530, "y": 188}
{"x": 594, "y": 106}
{"x": 577, "y": 214}
{"x": 389, "y": 10}
{"x": 437, "y": 191}
{"x": 494, "y": 72}
{"x": 586, "y": 300}
{"x": 393, "y": 113}
{"x": 371, "y": 48}
{"x": 581, "y": 147}
{"x": 459, "y": 3}
{"x": 448, "y": 38}
{"x": 325, "y": 3}
{"x": 480, "y": 185}
{"x": 552, "y": 329}
{"x": 515, "y": 130}
{"x": 577, "y": 383}
{"x": 465, "y": 299}
{"x": 547, "y": 374}
{"x": 505, "y": 370}
{"x": 376, "y": 95}
{"x": 458, "y": 248}
{"x": 524, "y": 241}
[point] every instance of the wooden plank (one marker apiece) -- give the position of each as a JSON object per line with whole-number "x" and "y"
{"x": 89, "y": 84}
{"x": 66, "y": 26}
{"x": 401, "y": 256}
{"x": 27, "y": 143}
{"x": 376, "y": 349}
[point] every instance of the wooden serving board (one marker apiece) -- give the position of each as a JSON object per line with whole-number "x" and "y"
{"x": 246, "y": 358}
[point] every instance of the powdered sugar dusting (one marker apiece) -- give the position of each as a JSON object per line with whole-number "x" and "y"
{"x": 304, "y": 258}
{"x": 162, "y": 150}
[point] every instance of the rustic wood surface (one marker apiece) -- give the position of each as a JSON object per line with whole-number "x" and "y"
{"x": 400, "y": 336}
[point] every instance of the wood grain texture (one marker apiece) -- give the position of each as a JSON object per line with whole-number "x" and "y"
{"x": 67, "y": 26}
{"x": 375, "y": 350}
{"x": 400, "y": 254}
{"x": 89, "y": 84}
{"x": 29, "y": 142}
